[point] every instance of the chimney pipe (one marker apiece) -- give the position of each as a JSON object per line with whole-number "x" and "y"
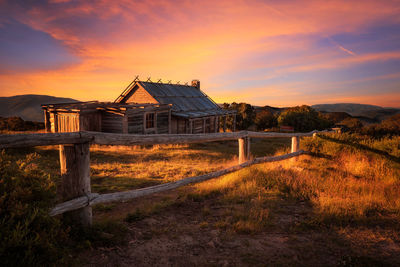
{"x": 196, "y": 83}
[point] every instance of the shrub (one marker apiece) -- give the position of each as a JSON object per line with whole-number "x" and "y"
{"x": 245, "y": 115}
{"x": 18, "y": 124}
{"x": 29, "y": 236}
{"x": 388, "y": 127}
{"x": 336, "y": 117}
{"x": 303, "y": 119}
{"x": 353, "y": 124}
{"x": 265, "y": 119}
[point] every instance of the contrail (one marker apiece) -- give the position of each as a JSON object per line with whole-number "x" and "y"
{"x": 341, "y": 47}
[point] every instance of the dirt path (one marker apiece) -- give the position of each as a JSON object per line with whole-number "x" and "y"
{"x": 195, "y": 233}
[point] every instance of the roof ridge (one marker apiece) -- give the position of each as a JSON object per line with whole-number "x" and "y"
{"x": 161, "y": 83}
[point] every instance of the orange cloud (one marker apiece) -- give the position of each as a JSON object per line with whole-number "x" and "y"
{"x": 181, "y": 40}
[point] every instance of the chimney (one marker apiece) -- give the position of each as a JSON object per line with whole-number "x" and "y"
{"x": 196, "y": 83}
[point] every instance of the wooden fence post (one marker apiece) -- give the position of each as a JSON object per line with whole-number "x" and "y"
{"x": 244, "y": 149}
{"x": 314, "y": 135}
{"x": 295, "y": 143}
{"x": 295, "y": 146}
{"x": 75, "y": 177}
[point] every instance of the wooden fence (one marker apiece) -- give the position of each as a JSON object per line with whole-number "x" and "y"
{"x": 75, "y": 162}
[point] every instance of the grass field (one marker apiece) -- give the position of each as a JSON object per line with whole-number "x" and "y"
{"x": 338, "y": 206}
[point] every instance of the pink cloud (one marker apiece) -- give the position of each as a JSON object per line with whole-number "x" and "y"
{"x": 181, "y": 40}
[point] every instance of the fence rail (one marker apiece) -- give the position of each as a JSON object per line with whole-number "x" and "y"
{"x": 92, "y": 199}
{"x": 75, "y": 163}
{"x": 44, "y": 139}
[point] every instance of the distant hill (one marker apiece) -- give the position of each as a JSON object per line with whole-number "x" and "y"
{"x": 273, "y": 110}
{"x": 368, "y": 112}
{"x": 336, "y": 117}
{"x": 28, "y": 106}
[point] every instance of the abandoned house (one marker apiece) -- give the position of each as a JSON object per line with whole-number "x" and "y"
{"x": 192, "y": 110}
{"x": 142, "y": 108}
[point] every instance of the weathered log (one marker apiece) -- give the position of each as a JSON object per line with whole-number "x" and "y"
{"x": 295, "y": 143}
{"x": 92, "y": 199}
{"x": 75, "y": 177}
{"x": 131, "y": 139}
{"x": 278, "y": 135}
{"x": 244, "y": 149}
{"x": 295, "y": 146}
{"x": 44, "y": 139}
{"x": 41, "y": 139}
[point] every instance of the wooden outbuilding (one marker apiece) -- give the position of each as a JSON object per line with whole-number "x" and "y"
{"x": 108, "y": 117}
{"x": 192, "y": 110}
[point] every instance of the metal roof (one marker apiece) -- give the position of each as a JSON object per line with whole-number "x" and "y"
{"x": 187, "y": 101}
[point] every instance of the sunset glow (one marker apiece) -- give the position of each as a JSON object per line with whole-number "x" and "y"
{"x": 278, "y": 53}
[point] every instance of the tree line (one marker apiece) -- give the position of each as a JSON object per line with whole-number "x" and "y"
{"x": 18, "y": 124}
{"x": 301, "y": 118}
{"x": 304, "y": 118}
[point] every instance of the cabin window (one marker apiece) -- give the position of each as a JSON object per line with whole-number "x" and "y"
{"x": 150, "y": 120}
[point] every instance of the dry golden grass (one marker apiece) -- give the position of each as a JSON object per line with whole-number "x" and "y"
{"x": 343, "y": 183}
{"x": 345, "y": 186}
{"x": 346, "y": 194}
{"x": 117, "y": 168}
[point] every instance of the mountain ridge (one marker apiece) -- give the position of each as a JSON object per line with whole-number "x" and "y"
{"x": 373, "y": 112}
{"x": 28, "y": 107}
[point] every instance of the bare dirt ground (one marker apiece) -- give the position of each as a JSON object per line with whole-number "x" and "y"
{"x": 190, "y": 232}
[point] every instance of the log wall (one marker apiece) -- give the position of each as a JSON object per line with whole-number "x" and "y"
{"x": 162, "y": 122}
{"x": 198, "y": 126}
{"x": 181, "y": 126}
{"x": 90, "y": 122}
{"x": 111, "y": 123}
{"x": 174, "y": 125}
{"x": 135, "y": 123}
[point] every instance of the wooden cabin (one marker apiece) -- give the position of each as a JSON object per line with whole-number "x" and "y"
{"x": 108, "y": 117}
{"x": 192, "y": 110}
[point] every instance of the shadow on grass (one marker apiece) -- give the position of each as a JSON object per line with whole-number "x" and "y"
{"x": 320, "y": 155}
{"x": 362, "y": 147}
{"x": 115, "y": 157}
{"x": 105, "y": 184}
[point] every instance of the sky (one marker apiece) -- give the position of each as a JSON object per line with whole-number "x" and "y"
{"x": 278, "y": 53}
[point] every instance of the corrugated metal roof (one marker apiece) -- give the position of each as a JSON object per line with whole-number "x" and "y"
{"x": 196, "y": 114}
{"x": 187, "y": 101}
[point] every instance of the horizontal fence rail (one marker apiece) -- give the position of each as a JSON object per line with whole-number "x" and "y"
{"x": 44, "y": 139}
{"x": 75, "y": 162}
{"x": 41, "y": 139}
{"x": 92, "y": 199}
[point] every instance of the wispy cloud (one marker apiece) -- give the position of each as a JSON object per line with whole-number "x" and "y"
{"x": 223, "y": 43}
